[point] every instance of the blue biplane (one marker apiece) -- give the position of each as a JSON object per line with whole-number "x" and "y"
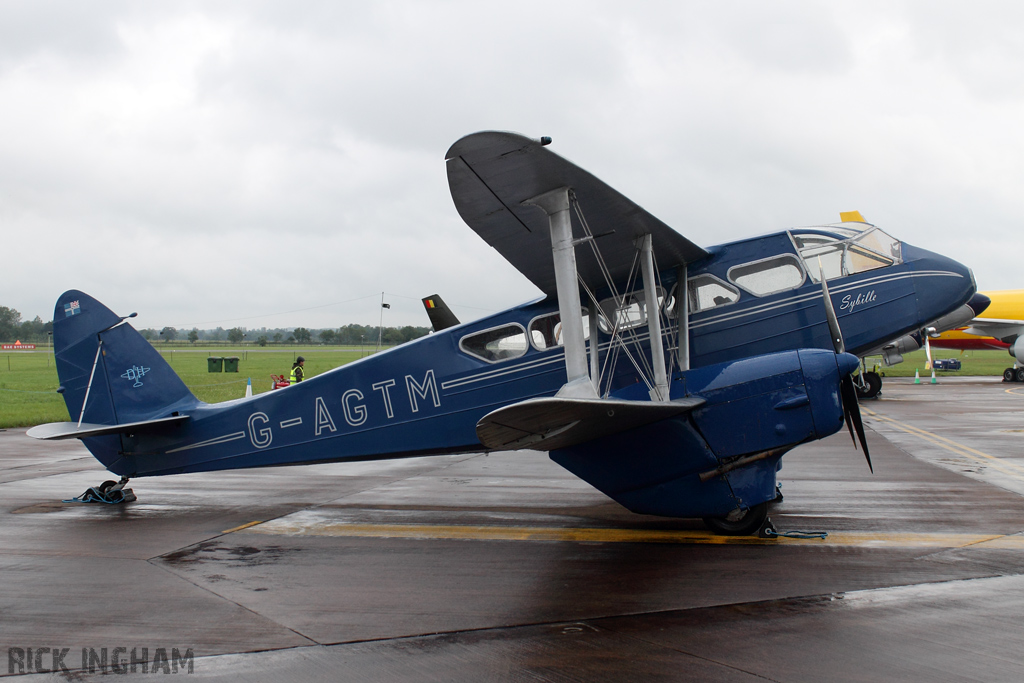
{"x": 675, "y": 401}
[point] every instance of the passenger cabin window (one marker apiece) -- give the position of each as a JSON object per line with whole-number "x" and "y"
{"x": 770, "y": 276}
{"x": 625, "y": 316}
{"x": 707, "y": 292}
{"x": 546, "y": 330}
{"x": 847, "y": 252}
{"x": 497, "y": 344}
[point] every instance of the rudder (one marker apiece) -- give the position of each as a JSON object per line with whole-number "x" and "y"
{"x": 441, "y": 317}
{"x": 130, "y": 380}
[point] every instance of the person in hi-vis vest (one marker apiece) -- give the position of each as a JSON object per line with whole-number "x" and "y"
{"x": 297, "y": 370}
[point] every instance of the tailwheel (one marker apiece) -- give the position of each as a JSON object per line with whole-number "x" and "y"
{"x": 739, "y": 522}
{"x": 109, "y": 492}
{"x": 870, "y": 385}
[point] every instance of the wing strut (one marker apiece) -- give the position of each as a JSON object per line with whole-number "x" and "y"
{"x": 660, "y": 390}
{"x": 555, "y": 204}
{"x": 683, "y": 318}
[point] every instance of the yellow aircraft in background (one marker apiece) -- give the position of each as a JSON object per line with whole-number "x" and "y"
{"x": 1001, "y": 327}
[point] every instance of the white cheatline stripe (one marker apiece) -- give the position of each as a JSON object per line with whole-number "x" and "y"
{"x": 499, "y": 372}
{"x": 728, "y": 316}
{"x": 720, "y": 318}
{"x": 557, "y": 356}
{"x": 210, "y": 442}
{"x": 756, "y": 310}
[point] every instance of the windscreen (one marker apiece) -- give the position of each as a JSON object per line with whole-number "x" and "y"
{"x": 838, "y": 252}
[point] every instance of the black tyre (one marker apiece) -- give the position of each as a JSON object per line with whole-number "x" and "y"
{"x": 870, "y": 385}
{"x": 1020, "y": 374}
{"x": 1009, "y": 375}
{"x": 739, "y": 523}
{"x": 107, "y": 485}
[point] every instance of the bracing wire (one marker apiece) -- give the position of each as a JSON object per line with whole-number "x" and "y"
{"x": 619, "y": 342}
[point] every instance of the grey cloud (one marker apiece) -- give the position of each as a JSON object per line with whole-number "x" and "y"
{"x": 198, "y": 162}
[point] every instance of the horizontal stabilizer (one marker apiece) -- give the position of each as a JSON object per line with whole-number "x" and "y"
{"x": 55, "y": 431}
{"x": 547, "y": 424}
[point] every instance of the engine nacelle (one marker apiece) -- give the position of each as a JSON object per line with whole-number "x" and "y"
{"x": 957, "y": 318}
{"x": 1017, "y": 349}
{"x": 892, "y": 354}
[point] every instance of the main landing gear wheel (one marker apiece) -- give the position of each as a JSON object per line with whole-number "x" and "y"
{"x": 1020, "y": 374}
{"x": 870, "y": 385}
{"x": 1009, "y": 375}
{"x": 739, "y": 522}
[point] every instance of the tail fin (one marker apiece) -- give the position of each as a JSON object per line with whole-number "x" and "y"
{"x": 109, "y": 374}
{"x": 441, "y": 317}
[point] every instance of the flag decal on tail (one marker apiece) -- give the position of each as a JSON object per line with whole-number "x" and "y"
{"x": 73, "y": 308}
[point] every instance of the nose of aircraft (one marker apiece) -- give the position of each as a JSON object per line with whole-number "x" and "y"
{"x": 942, "y": 284}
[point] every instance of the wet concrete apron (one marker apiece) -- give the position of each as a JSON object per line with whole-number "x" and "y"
{"x": 505, "y": 567}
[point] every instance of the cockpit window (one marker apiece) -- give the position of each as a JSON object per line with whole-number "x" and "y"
{"x": 768, "y": 276}
{"x": 497, "y": 344}
{"x": 707, "y": 292}
{"x": 842, "y": 251}
{"x": 879, "y": 242}
{"x": 823, "y": 256}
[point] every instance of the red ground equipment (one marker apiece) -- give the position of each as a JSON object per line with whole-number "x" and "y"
{"x": 279, "y": 381}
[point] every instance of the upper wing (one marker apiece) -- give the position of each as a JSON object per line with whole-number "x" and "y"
{"x": 490, "y": 174}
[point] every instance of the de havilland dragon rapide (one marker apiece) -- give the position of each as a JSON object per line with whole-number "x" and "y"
{"x": 671, "y": 377}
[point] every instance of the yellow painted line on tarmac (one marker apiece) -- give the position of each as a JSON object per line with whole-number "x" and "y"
{"x": 239, "y": 528}
{"x": 1016, "y": 391}
{"x": 1006, "y": 467}
{"x": 440, "y": 532}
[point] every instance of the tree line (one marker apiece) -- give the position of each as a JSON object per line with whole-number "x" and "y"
{"x": 12, "y": 328}
{"x": 349, "y": 335}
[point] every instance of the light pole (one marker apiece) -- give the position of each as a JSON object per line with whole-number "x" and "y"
{"x": 380, "y": 327}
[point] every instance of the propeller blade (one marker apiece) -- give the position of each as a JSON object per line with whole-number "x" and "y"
{"x": 830, "y": 314}
{"x": 928, "y": 350}
{"x": 846, "y": 413}
{"x": 851, "y": 411}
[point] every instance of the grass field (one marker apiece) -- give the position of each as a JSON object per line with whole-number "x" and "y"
{"x": 976, "y": 363}
{"x": 28, "y": 381}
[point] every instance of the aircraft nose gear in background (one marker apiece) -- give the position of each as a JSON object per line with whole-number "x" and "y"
{"x": 867, "y": 382}
{"x": 108, "y": 492}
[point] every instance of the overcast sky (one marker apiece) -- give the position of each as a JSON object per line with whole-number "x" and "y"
{"x": 232, "y": 163}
